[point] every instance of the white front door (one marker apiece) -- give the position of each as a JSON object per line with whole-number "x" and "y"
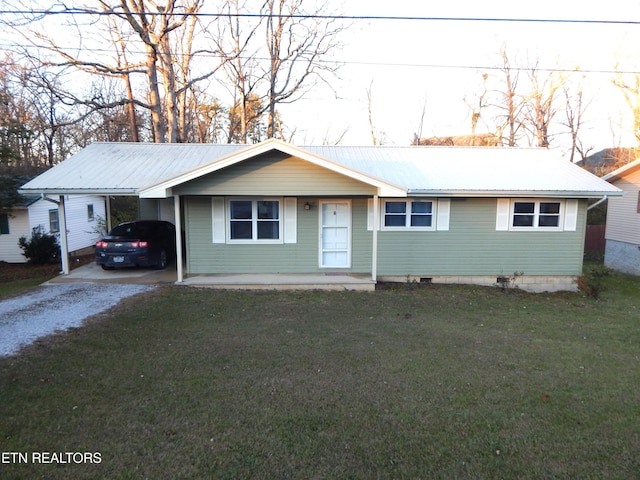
{"x": 335, "y": 233}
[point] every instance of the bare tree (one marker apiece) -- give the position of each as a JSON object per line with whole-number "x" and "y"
{"x": 575, "y": 107}
{"x": 510, "y": 103}
{"x": 234, "y": 41}
{"x": 297, "y": 42}
{"x": 477, "y": 107}
{"x": 629, "y": 86}
{"x": 540, "y": 107}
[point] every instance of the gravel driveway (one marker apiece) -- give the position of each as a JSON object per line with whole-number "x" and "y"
{"x": 56, "y": 307}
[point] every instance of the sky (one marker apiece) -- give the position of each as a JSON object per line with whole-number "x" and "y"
{"x": 411, "y": 66}
{"x": 422, "y": 74}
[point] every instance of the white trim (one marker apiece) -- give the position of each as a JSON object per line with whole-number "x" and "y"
{"x": 503, "y": 217}
{"x": 321, "y": 249}
{"x": 290, "y": 214}
{"x": 178, "y": 225}
{"x": 535, "y": 227}
{"x": 375, "y": 213}
{"x": 218, "y": 223}
{"x": 408, "y": 202}
{"x": 571, "y": 215}
{"x": 254, "y": 219}
{"x": 443, "y": 214}
{"x": 163, "y": 189}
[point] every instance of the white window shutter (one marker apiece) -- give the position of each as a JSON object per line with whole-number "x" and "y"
{"x": 443, "y": 213}
{"x": 571, "y": 215}
{"x": 290, "y": 220}
{"x": 503, "y": 213}
{"x": 218, "y": 220}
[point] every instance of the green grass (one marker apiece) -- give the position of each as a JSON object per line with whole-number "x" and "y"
{"x": 16, "y": 278}
{"x": 411, "y": 381}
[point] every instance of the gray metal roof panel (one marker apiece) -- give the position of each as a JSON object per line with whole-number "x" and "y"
{"x": 129, "y": 167}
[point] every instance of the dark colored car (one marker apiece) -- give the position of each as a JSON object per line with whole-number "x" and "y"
{"x": 146, "y": 243}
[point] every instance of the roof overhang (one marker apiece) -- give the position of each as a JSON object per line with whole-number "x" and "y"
{"x": 622, "y": 171}
{"x": 164, "y": 189}
{"x": 78, "y": 191}
{"x": 513, "y": 194}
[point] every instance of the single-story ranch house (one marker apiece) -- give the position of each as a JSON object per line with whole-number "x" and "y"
{"x": 622, "y": 250}
{"x": 429, "y": 214}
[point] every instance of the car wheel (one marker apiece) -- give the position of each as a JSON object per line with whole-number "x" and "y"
{"x": 104, "y": 267}
{"x": 162, "y": 260}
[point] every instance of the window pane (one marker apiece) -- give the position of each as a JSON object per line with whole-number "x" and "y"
{"x": 550, "y": 207}
{"x": 395, "y": 207}
{"x": 421, "y": 207}
{"x": 4, "y": 223}
{"x": 240, "y": 209}
{"x": 524, "y": 207}
{"x": 523, "y": 220}
{"x": 395, "y": 220}
{"x": 549, "y": 221}
{"x": 241, "y": 231}
{"x": 268, "y": 230}
{"x": 420, "y": 220}
{"x": 268, "y": 210}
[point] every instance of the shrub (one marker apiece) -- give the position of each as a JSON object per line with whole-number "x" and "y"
{"x": 591, "y": 281}
{"x": 41, "y": 248}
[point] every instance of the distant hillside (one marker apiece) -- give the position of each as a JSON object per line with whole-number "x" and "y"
{"x": 480, "y": 140}
{"x": 607, "y": 160}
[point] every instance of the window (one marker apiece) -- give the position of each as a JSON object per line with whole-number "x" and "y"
{"x": 4, "y": 224}
{"x": 408, "y": 214}
{"x": 54, "y": 221}
{"x": 254, "y": 220}
{"x": 90, "y": 214}
{"x": 536, "y": 214}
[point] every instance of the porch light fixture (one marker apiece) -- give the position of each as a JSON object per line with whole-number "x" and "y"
{"x": 307, "y": 206}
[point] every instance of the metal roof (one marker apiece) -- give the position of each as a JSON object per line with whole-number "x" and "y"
{"x": 128, "y": 168}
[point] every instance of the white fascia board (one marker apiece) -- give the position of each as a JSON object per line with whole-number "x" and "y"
{"x": 163, "y": 189}
{"x": 78, "y": 191}
{"x": 514, "y": 194}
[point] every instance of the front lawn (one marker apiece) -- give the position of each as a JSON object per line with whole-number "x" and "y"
{"x": 411, "y": 381}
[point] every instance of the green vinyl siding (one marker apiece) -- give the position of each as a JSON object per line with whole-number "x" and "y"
{"x": 472, "y": 246}
{"x": 204, "y": 256}
{"x": 274, "y": 174}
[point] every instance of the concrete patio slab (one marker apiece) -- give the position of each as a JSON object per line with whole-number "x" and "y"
{"x": 311, "y": 281}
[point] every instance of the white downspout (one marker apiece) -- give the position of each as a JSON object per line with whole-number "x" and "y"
{"x": 178, "y": 224}
{"x": 597, "y": 203}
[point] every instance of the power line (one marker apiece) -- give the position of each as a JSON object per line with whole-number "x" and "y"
{"x": 8, "y": 46}
{"x": 75, "y": 11}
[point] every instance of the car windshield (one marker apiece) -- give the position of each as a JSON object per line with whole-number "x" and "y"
{"x": 131, "y": 230}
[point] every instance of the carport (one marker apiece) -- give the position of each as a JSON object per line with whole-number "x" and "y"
{"x": 123, "y": 169}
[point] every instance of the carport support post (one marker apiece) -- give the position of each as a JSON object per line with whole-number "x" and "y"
{"x": 178, "y": 223}
{"x": 374, "y": 248}
{"x": 64, "y": 246}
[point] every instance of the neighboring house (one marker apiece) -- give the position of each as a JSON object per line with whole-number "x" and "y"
{"x": 429, "y": 214}
{"x": 622, "y": 250}
{"x": 82, "y": 215}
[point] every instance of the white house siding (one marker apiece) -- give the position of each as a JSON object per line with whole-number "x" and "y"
{"x": 10, "y": 251}
{"x": 623, "y": 219}
{"x": 622, "y": 251}
{"x": 81, "y": 231}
